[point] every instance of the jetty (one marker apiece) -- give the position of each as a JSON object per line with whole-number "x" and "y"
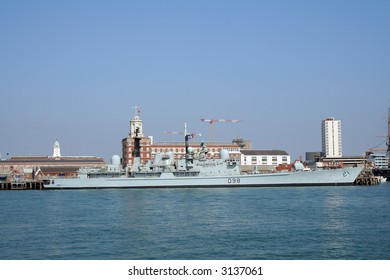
{"x": 368, "y": 181}
{"x": 22, "y": 185}
{"x": 368, "y": 178}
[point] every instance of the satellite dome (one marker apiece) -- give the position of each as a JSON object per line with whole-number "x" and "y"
{"x": 115, "y": 160}
{"x": 224, "y": 154}
{"x": 298, "y": 166}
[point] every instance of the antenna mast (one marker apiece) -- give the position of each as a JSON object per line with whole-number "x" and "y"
{"x": 137, "y": 111}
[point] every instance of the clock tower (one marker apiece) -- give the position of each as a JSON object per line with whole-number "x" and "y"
{"x": 130, "y": 149}
{"x": 136, "y": 124}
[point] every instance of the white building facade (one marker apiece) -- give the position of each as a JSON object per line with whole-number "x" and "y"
{"x": 264, "y": 158}
{"x": 331, "y": 138}
{"x": 380, "y": 160}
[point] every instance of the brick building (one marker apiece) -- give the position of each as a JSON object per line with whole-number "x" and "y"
{"x": 149, "y": 148}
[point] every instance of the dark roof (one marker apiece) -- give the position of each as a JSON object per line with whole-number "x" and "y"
{"x": 59, "y": 169}
{"x": 264, "y": 153}
{"x": 64, "y": 160}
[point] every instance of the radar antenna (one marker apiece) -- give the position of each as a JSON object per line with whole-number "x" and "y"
{"x": 187, "y": 137}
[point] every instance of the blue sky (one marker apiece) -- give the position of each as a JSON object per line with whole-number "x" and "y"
{"x": 75, "y": 70}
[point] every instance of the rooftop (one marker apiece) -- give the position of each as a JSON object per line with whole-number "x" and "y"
{"x": 264, "y": 153}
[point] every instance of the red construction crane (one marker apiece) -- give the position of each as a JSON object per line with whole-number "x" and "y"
{"x": 212, "y": 121}
{"x": 377, "y": 149}
{"x": 185, "y": 132}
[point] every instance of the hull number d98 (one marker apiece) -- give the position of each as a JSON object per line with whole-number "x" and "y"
{"x": 233, "y": 180}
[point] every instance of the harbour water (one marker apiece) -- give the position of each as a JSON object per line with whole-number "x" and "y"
{"x": 309, "y": 223}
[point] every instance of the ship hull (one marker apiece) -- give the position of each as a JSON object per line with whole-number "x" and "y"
{"x": 336, "y": 177}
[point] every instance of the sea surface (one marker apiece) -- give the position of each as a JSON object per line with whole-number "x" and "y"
{"x": 289, "y": 223}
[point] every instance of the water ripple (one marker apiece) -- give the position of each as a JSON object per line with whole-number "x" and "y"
{"x": 242, "y": 223}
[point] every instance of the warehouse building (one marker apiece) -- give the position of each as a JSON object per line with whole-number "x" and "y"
{"x": 50, "y": 166}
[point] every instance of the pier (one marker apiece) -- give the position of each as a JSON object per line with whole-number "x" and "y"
{"x": 367, "y": 178}
{"x": 22, "y": 185}
{"x": 367, "y": 181}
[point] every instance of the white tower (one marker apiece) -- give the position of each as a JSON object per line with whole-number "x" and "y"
{"x": 56, "y": 149}
{"x": 331, "y": 137}
{"x": 136, "y": 124}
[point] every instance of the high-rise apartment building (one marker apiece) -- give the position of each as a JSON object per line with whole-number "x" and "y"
{"x": 331, "y": 138}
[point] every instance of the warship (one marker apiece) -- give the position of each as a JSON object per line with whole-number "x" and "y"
{"x": 197, "y": 170}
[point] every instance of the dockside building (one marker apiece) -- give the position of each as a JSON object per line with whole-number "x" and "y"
{"x": 149, "y": 148}
{"x": 263, "y": 160}
{"x": 50, "y": 166}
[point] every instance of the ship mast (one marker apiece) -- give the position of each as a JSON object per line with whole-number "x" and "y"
{"x": 137, "y": 144}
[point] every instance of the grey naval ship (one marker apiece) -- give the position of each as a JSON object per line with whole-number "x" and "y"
{"x": 198, "y": 171}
